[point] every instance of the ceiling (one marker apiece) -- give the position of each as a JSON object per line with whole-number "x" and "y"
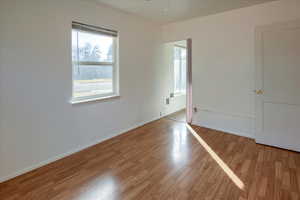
{"x": 166, "y": 11}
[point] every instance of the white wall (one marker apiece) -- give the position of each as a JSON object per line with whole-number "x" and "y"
{"x": 177, "y": 102}
{"x": 38, "y": 124}
{"x": 223, "y": 62}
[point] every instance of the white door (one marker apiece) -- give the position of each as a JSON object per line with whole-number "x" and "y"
{"x": 278, "y": 85}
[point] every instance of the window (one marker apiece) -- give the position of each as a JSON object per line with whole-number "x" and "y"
{"x": 94, "y": 58}
{"x": 179, "y": 70}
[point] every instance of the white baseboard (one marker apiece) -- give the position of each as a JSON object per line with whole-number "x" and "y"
{"x": 230, "y": 123}
{"x": 75, "y": 150}
{"x": 173, "y": 111}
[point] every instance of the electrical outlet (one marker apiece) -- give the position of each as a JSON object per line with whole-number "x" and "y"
{"x": 167, "y": 101}
{"x": 195, "y": 109}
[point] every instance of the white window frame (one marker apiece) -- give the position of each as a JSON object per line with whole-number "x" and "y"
{"x": 176, "y": 93}
{"x": 114, "y": 64}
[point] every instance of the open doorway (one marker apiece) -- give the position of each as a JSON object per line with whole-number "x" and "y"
{"x": 178, "y": 56}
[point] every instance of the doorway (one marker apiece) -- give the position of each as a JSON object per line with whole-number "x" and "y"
{"x": 178, "y": 61}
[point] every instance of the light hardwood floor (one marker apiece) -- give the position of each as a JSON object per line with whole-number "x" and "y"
{"x": 166, "y": 160}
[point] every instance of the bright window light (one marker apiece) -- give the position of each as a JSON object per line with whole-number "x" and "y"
{"x": 179, "y": 70}
{"x": 94, "y": 57}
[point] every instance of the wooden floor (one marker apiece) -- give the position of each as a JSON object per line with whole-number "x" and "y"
{"x": 179, "y": 116}
{"x": 166, "y": 160}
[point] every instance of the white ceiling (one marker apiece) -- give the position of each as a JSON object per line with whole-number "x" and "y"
{"x": 166, "y": 11}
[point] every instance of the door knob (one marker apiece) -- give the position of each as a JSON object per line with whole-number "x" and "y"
{"x": 258, "y": 92}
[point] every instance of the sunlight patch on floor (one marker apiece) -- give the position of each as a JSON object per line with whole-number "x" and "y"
{"x": 236, "y": 180}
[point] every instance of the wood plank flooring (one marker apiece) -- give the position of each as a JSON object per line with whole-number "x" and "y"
{"x": 179, "y": 116}
{"x": 165, "y": 160}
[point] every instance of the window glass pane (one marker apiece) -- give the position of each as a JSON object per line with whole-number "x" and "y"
{"x": 179, "y": 70}
{"x": 177, "y": 53}
{"x": 74, "y": 46}
{"x": 183, "y": 53}
{"x": 183, "y": 70}
{"x": 177, "y": 76}
{"x": 89, "y": 80}
{"x": 183, "y": 78}
{"x": 94, "y": 47}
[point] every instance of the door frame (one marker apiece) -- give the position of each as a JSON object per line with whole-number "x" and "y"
{"x": 259, "y": 72}
{"x": 189, "y": 78}
{"x": 189, "y": 73}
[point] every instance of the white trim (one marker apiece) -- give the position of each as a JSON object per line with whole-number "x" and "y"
{"x": 228, "y": 123}
{"x": 178, "y": 94}
{"x": 291, "y": 148}
{"x": 226, "y": 131}
{"x": 94, "y": 98}
{"x": 173, "y": 111}
{"x": 96, "y": 63}
{"x": 75, "y": 150}
{"x": 226, "y": 113}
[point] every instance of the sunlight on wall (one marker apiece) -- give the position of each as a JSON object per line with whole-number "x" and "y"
{"x": 220, "y": 162}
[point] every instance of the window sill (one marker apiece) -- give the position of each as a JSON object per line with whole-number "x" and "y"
{"x": 87, "y": 100}
{"x": 179, "y": 94}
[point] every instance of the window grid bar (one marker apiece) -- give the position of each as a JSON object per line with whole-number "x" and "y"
{"x": 94, "y": 63}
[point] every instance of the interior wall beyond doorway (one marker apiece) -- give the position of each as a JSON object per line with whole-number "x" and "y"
{"x": 172, "y": 102}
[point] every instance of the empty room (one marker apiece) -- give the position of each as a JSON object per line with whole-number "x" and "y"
{"x": 149, "y": 99}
